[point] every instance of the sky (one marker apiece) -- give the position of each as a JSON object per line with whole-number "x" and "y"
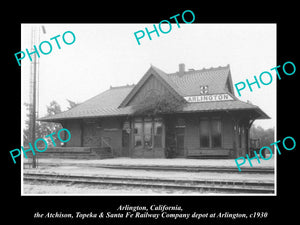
{"x": 105, "y": 55}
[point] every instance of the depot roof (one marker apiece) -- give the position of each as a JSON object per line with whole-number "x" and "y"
{"x": 116, "y": 101}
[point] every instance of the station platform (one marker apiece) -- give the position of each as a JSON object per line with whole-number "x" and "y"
{"x": 161, "y": 164}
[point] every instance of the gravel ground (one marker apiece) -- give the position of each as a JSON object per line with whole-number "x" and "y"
{"x": 162, "y": 162}
{"x": 87, "y": 167}
{"x": 81, "y": 170}
{"x": 59, "y": 189}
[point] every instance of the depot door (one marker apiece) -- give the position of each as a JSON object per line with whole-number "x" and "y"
{"x": 179, "y": 137}
{"x": 125, "y": 143}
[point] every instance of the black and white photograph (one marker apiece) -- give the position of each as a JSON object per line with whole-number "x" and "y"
{"x": 133, "y": 114}
{"x": 162, "y": 117}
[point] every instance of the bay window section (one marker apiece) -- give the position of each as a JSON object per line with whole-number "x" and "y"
{"x": 148, "y": 133}
{"x": 157, "y": 134}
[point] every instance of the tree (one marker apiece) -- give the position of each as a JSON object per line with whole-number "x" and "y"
{"x": 266, "y": 136}
{"x": 43, "y": 128}
{"x": 155, "y": 104}
{"x": 53, "y": 108}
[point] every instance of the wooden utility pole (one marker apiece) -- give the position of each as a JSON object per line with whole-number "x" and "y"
{"x": 34, "y": 36}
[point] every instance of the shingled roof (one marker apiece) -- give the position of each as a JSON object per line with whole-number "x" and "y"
{"x": 114, "y": 102}
{"x": 215, "y": 78}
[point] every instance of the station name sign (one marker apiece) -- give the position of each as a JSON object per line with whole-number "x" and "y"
{"x": 208, "y": 98}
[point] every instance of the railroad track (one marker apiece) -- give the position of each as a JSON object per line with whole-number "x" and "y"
{"x": 171, "y": 168}
{"x": 216, "y": 186}
{"x": 189, "y": 168}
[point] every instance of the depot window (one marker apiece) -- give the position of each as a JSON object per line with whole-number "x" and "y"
{"x": 147, "y": 133}
{"x": 210, "y": 133}
{"x": 138, "y": 126}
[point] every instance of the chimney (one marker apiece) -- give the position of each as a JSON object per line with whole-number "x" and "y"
{"x": 181, "y": 69}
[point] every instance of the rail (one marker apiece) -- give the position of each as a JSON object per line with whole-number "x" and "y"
{"x": 216, "y": 186}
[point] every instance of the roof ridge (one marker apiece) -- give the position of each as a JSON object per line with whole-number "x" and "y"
{"x": 201, "y": 70}
{"x": 122, "y": 86}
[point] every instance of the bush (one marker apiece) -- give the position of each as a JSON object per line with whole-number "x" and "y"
{"x": 157, "y": 104}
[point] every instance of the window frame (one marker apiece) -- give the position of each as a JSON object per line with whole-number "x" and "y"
{"x": 147, "y": 134}
{"x": 153, "y": 134}
{"x": 138, "y": 121}
{"x": 156, "y": 135}
{"x": 210, "y": 135}
{"x": 208, "y": 125}
{"x": 211, "y": 132}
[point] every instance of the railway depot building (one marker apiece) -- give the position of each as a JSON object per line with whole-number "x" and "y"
{"x": 189, "y": 113}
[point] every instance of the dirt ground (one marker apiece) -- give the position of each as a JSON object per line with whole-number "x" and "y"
{"x": 59, "y": 189}
{"x": 89, "y": 167}
{"x": 163, "y": 162}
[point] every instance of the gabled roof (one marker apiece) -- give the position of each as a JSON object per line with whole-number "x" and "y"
{"x": 114, "y": 102}
{"x": 162, "y": 77}
{"x": 103, "y": 104}
{"x": 189, "y": 83}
